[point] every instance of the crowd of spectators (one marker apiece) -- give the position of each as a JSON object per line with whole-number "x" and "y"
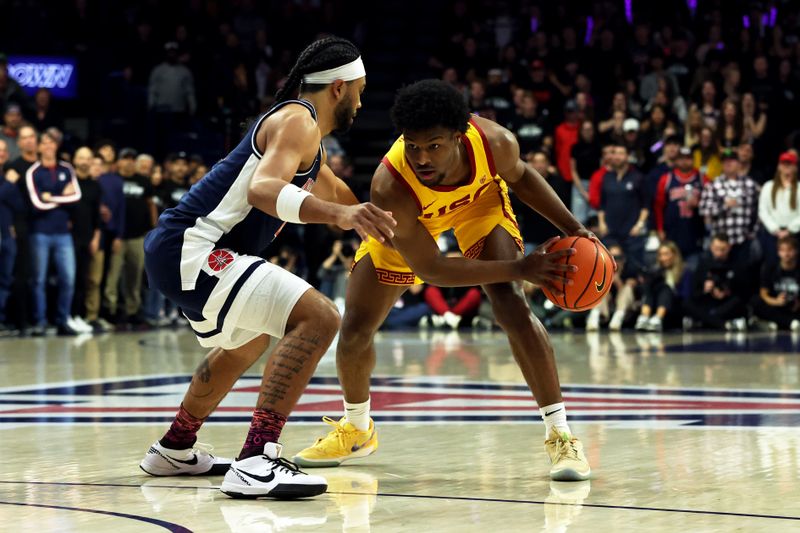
{"x": 672, "y": 133}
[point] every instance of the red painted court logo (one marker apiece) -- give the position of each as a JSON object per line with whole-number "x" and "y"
{"x": 219, "y": 259}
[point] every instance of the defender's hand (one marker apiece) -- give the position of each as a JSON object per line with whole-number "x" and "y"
{"x": 544, "y": 268}
{"x": 367, "y": 219}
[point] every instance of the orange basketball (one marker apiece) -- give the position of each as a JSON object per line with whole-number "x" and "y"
{"x": 592, "y": 280}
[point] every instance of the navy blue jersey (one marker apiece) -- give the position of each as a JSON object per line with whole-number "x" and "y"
{"x": 51, "y": 216}
{"x": 676, "y": 211}
{"x": 215, "y": 214}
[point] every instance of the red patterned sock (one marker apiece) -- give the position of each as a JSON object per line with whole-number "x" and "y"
{"x": 182, "y": 433}
{"x": 265, "y": 427}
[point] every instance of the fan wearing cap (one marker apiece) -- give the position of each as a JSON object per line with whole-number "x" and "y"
{"x": 632, "y": 141}
{"x": 204, "y": 255}
{"x": 675, "y": 205}
{"x": 730, "y": 206}
{"x": 779, "y": 206}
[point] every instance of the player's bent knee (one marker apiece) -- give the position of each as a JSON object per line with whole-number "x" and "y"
{"x": 328, "y": 321}
{"x": 512, "y": 312}
{"x": 357, "y": 330}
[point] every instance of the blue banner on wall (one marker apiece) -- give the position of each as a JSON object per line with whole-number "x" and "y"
{"x": 59, "y": 74}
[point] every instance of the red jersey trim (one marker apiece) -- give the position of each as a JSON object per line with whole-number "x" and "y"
{"x": 399, "y": 177}
{"x": 486, "y": 147}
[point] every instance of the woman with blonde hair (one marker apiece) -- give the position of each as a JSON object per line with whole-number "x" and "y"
{"x": 706, "y": 154}
{"x": 663, "y": 289}
{"x": 778, "y": 205}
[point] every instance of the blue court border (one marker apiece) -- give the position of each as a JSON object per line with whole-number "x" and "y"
{"x": 169, "y": 526}
{"x": 397, "y": 495}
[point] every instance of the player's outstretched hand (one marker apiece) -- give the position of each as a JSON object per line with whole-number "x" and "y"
{"x": 367, "y": 219}
{"x": 545, "y": 268}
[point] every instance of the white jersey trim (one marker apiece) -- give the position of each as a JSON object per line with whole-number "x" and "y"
{"x": 200, "y": 239}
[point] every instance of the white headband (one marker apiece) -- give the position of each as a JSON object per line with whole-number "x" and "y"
{"x": 349, "y": 72}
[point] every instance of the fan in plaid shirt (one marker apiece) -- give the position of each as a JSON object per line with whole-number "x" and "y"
{"x": 730, "y": 203}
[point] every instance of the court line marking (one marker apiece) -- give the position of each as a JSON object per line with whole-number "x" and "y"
{"x": 169, "y": 526}
{"x": 435, "y": 497}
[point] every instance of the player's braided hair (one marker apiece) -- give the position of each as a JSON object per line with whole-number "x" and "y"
{"x": 330, "y": 52}
{"x": 429, "y": 104}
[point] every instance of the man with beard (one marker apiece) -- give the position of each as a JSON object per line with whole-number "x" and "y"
{"x": 204, "y": 256}
{"x": 450, "y": 170}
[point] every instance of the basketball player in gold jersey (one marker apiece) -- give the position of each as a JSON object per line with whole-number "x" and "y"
{"x": 451, "y": 170}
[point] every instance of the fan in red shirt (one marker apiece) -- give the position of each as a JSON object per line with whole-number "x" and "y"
{"x": 566, "y": 137}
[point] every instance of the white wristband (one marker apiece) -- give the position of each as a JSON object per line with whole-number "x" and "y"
{"x": 289, "y": 201}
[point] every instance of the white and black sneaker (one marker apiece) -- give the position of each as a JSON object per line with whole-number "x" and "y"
{"x": 269, "y": 475}
{"x": 197, "y": 461}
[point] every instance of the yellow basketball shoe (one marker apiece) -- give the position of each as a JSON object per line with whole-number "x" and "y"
{"x": 566, "y": 456}
{"x": 345, "y": 442}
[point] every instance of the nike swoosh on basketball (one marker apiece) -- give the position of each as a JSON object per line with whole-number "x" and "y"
{"x": 263, "y": 479}
{"x": 551, "y": 412}
{"x": 427, "y": 206}
{"x": 602, "y": 284}
{"x": 357, "y": 447}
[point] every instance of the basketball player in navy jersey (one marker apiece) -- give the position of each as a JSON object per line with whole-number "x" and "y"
{"x": 203, "y": 256}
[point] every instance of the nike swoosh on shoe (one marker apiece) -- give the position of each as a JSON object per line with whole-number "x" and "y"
{"x": 357, "y": 447}
{"x": 263, "y": 479}
{"x": 192, "y": 461}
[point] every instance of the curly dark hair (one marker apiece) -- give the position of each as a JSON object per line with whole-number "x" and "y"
{"x": 429, "y": 104}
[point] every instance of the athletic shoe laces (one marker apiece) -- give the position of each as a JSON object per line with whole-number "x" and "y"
{"x": 565, "y": 448}
{"x": 338, "y": 433}
{"x": 203, "y": 448}
{"x": 284, "y": 464}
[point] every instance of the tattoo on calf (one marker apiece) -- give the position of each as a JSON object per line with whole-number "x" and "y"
{"x": 286, "y": 365}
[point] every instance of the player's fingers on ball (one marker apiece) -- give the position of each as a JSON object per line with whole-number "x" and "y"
{"x": 549, "y": 242}
{"x": 556, "y": 277}
{"x": 555, "y": 290}
{"x": 566, "y": 252}
{"x": 561, "y": 267}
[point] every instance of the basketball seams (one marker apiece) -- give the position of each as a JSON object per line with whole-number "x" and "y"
{"x": 564, "y": 288}
{"x": 591, "y": 276}
{"x": 593, "y": 302}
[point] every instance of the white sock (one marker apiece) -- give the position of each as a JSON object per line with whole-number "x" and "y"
{"x": 555, "y": 415}
{"x": 357, "y": 414}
